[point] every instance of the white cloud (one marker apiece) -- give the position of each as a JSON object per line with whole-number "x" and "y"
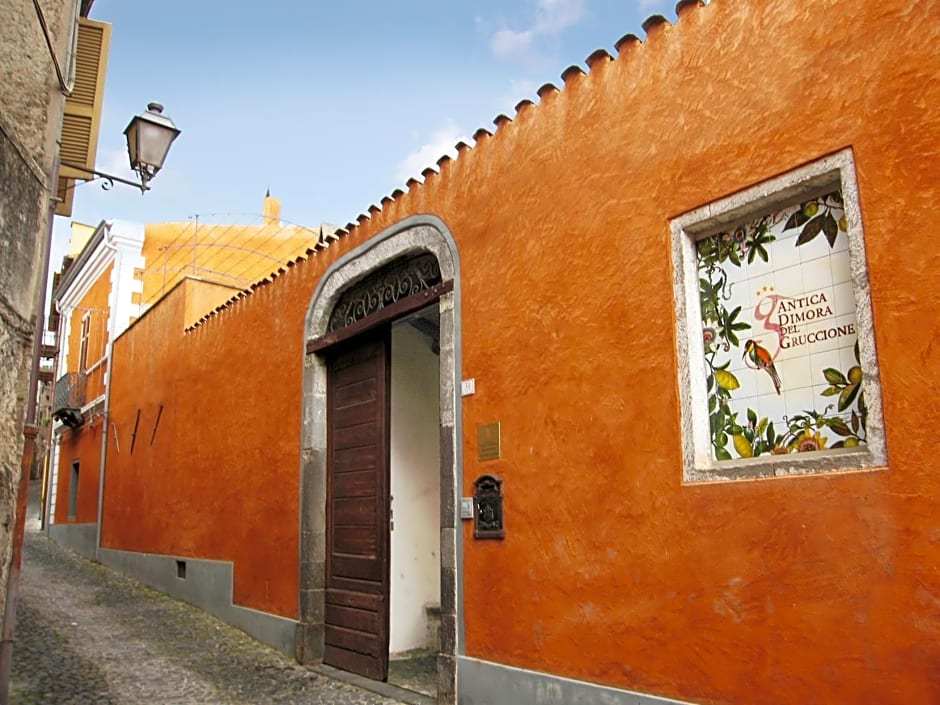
{"x": 507, "y": 42}
{"x": 556, "y": 15}
{"x": 551, "y": 17}
{"x": 442, "y": 142}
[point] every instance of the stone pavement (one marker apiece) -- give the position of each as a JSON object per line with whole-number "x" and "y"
{"x": 86, "y": 635}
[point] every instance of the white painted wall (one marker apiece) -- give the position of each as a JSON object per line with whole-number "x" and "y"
{"x": 415, "y": 486}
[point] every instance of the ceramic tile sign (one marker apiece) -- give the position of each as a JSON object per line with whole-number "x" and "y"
{"x": 780, "y": 334}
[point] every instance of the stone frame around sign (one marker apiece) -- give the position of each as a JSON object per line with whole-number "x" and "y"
{"x": 834, "y": 172}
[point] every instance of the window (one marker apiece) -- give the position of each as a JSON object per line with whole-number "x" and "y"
{"x": 83, "y": 344}
{"x": 73, "y": 490}
{"x": 778, "y": 370}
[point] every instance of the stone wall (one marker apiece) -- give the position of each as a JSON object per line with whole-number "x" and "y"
{"x": 30, "y": 116}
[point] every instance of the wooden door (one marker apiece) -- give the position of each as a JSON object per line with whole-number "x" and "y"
{"x": 357, "y": 560}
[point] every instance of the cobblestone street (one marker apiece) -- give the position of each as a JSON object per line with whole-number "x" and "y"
{"x": 86, "y": 635}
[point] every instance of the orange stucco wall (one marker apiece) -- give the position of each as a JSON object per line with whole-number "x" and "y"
{"x": 95, "y": 304}
{"x": 84, "y": 443}
{"x": 794, "y": 590}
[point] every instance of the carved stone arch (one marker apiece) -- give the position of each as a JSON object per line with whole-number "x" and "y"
{"x": 413, "y": 236}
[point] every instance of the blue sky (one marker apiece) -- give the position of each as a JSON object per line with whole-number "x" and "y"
{"x": 330, "y": 105}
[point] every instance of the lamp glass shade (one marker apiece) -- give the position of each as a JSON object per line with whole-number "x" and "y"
{"x": 149, "y": 136}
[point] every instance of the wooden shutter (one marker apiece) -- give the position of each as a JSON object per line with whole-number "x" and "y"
{"x": 66, "y": 194}
{"x": 82, "y": 116}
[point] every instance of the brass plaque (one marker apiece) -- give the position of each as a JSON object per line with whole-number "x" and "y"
{"x": 488, "y": 441}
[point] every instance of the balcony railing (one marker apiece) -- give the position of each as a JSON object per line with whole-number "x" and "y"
{"x": 69, "y": 399}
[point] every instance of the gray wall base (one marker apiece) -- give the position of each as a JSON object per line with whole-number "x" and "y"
{"x": 208, "y": 585}
{"x": 486, "y": 683}
{"x": 81, "y": 538}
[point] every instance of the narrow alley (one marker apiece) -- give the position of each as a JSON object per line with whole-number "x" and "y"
{"x": 88, "y": 636}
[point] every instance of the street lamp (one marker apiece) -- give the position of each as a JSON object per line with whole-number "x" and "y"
{"x": 149, "y": 136}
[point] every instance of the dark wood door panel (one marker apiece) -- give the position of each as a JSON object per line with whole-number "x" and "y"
{"x": 362, "y": 435}
{"x": 356, "y": 615}
{"x": 356, "y": 567}
{"x": 355, "y": 393}
{"x": 355, "y": 483}
{"x": 352, "y": 618}
{"x": 355, "y": 541}
{"x": 353, "y": 414}
{"x": 363, "y": 664}
{"x": 354, "y": 511}
{"x": 353, "y": 598}
{"x": 363, "y": 458}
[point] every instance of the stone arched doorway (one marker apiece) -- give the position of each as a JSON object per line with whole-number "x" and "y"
{"x": 414, "y": 236}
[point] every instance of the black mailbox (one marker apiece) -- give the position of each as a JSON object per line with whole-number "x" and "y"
{"x": 488, "y": 508}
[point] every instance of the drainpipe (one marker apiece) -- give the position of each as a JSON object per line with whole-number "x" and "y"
{"x": 106, "y": 413}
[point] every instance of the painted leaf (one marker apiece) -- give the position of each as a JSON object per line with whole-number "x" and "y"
{"x": 839, "y": 444}
{"x": 810, "y": 230}
{"x": 830, "y": 228}
{"x": 855, "y": 422}
{"x": 761, "y": 426}
{"x": 795, "y": 220}
{"x": 742, "y": 446}
{"x": 771, "y": 436}
{"x": 722, "y": 454}
{"x": 830, "y": 392}
{"x": 726, "y": 380}
{"x": 840, "y": 427}
{"x": 833, "y": 376}
{"x": 752, "y": 417}
{"x": 847, "y": 397}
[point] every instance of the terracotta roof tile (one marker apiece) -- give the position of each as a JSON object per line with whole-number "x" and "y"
{"x": 501, "y": 120}
{"x": 683, "y": 5}
{"x": 546, "y": 89}
{"x": 652, "y": 22}
{"x": 571, "y": 73}
{"x": 598, "y": 56}
{"x": 626, "y": 43}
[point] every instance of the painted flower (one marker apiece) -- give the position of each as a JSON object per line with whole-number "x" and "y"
{"x": 740, "y": 235}
{"x": 709, "y": 335}
{"x": 807, "y": 441}
{"x": 780, "y": 450}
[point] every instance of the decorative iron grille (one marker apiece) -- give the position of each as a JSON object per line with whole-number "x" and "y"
{"x": 398, "y": 280}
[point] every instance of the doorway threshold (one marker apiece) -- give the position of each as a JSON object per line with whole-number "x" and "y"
{"x": 386, "y": 689}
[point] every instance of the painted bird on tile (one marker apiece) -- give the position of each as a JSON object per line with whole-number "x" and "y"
{"x": 762, "y": 360}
